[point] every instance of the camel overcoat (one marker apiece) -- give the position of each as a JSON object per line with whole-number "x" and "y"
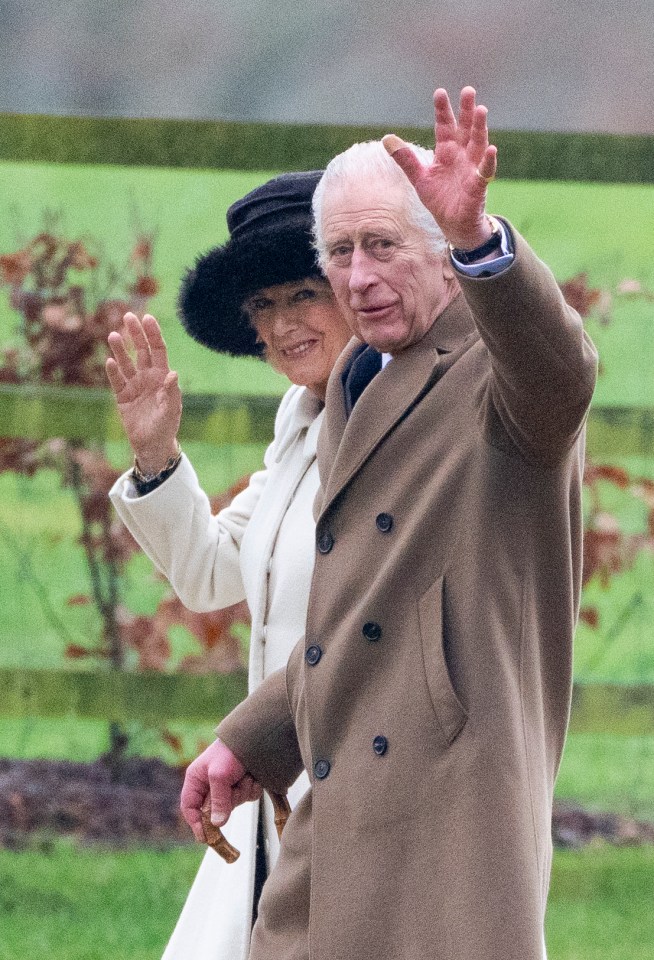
{"x": 260, "y": 548}
{"x": 430, "y": 696}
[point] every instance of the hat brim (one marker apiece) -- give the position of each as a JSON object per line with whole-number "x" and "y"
{"x": 213, "y": 292}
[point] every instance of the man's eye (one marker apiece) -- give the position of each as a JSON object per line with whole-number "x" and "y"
{"x": 341, "y": 253}
{"x": 382, "y": 244}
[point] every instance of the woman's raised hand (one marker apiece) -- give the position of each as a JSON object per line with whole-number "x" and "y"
{"x": 147, "y": 392}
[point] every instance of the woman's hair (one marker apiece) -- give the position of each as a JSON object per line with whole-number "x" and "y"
{"x": 370, "y": 161}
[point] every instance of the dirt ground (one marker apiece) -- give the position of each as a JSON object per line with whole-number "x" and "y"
{"x": 84, "y": 800}
{"x": 140, "y": 805}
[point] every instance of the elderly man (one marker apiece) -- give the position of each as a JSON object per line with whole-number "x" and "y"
{"x": 430, "y": 697}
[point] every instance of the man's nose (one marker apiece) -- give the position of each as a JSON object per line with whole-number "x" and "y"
{"x": 361, "y": 273}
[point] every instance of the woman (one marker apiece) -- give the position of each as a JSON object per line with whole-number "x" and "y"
{"x": 261, "y": 294}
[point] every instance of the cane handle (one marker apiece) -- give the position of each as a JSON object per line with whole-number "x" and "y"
{"x": 282, "y": 809}
{"x": 218, "y": 842}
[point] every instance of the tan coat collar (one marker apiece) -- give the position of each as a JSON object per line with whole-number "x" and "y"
{"x": 344, "y": 445}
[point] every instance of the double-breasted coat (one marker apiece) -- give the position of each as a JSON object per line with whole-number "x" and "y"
{"x": 430, "y": 696}
{"x": 260, "y": 548}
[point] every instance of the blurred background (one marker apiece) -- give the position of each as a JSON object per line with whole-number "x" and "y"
{"x": 540, "y": 64}
{"x": 125, "y": 133}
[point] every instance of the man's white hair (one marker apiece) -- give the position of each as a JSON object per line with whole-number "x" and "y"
{"x": 371, "y": 161}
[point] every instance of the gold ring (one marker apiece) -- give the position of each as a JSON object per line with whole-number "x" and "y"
{"x": 484, "y": 179}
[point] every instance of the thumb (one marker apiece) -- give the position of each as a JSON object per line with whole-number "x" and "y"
{"x": 403, "y": 155}
{"x": 171, "y": 387}
{"x": 221, "y": 803}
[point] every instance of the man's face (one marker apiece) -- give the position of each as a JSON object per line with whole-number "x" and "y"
{"x": 389, "y": 285}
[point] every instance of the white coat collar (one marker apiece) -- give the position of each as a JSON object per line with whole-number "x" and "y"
{"x": 303, "y": 416}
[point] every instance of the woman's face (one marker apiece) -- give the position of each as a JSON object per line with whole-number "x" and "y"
{"x": 302, "y": 329}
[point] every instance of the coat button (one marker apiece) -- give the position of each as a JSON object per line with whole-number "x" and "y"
{"x": 325, "y": 542}
{"x": 384, "y": 522}
{"x": 321, "y": 768}
{"x": 380, "y": 746}
{"x": 371, "y": 631}
{"x": 313, "y": 655}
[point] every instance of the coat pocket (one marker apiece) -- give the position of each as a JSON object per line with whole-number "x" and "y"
{"x": 450, "y": 712}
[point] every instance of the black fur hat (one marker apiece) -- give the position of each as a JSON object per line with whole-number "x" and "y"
{"x": 270, "y": 242}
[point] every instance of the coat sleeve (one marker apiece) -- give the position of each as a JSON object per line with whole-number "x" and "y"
{"x": 544, "y": 365}
{"x": 196, "y": 551}
{"x": 261, "y": 733}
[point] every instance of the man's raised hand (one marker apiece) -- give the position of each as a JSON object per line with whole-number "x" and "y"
{"x": 453, "y": 187}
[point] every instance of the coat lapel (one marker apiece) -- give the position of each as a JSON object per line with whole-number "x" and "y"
{"x": 345, "y": 444}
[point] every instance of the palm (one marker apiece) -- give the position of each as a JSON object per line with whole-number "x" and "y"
{"x": 147, "y": 393}
{"x": 450, "y": 186}
{"x": 148, "y": 411}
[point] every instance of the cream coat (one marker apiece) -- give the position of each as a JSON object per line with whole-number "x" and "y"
{"x": 430, "y": 696}
{"x": 260, "y": 548}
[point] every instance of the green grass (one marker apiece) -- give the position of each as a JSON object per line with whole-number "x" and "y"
{"x": 75, "y": 903}
{"x": 66, "y": 902}
{"x": 603, "y": 772}
{"x": 83, "y": 740}
{"x": 600, "y": 905}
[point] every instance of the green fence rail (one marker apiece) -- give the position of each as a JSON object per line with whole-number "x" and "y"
{"x": 39, "y": 413}
{"x": 120, "y": 696}
{"x": 158, "y": 698}
{"x": 611, "y": 708}
{"x": 77, "y": 413}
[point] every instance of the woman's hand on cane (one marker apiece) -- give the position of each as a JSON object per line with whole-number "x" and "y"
{"x": 147, "y": 392}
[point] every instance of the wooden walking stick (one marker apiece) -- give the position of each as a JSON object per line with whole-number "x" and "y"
{"x": 218, "y": 842}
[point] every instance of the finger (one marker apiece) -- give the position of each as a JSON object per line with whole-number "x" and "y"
{"x": 194, "y": 793}
{"x": 404, "y": 157}
{"x": 466, "y": 114}
{"x": 221, "y": 801}
{"x": 116, "y": 379}
{"x": 488, "y": 164}
{"x": 158, "y": 351}
{"x": 197, "y": 828}
{"x": 478, "y": 140}
{"x": 246, "y": 790}
{"x": 445, "y": 127}
{"x": 171, "y": 383}
{"x": 122, "y": 357}
{"x": 139, "y": 339}
{"x": 172, "y": 395}
{"x": 194, "y": 819}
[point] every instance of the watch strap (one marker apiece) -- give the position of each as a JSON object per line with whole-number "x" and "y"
{"x": 147, "y": 482}
{"x": 493, "y": 243}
